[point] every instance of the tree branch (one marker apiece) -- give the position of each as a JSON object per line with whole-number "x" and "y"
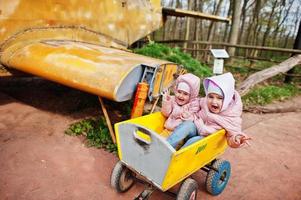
{"x": 260, "y": 76}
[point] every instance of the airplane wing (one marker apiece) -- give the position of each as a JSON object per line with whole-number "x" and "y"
{"x": 103, "y": 71}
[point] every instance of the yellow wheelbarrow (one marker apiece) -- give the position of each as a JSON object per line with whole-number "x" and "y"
{"x": 145, "y": 154}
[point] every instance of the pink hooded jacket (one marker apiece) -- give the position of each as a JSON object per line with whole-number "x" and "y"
{"x": 173, "y": 111}
{"x": 230, "y": 116}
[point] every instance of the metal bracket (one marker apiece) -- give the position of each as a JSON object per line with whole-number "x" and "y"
{"x": 145, "y": 194}
{"x": 148, "y": 77}
{"x": 209, "y": 167}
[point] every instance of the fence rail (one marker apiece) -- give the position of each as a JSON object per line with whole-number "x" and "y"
{"x": 224, "y": 44}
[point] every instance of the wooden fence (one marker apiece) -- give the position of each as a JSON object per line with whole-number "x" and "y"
{"x": 208, "y": 45}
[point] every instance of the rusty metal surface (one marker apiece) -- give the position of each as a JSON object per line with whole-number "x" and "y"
{"x": 78, "y": 43}
{"x": 121, "y": 21}
{"x": 88, "y": 67}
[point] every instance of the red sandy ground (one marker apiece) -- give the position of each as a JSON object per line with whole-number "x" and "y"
{"x": 38, "y": 161}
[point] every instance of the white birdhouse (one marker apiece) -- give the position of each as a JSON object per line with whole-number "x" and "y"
{"x": 219, "y": 55}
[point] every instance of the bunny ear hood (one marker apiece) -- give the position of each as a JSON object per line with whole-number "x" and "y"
{"x": 226, "y": 83}
{"x": 193, "y": 81}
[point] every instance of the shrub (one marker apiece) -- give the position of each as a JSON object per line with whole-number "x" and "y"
{"x": 175, "y": 55}
{"x": 96, "y": 132}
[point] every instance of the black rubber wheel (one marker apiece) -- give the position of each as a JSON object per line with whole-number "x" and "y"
{"x": 217, "y": 181}
{"x": 121, "y": 178}
{"x": 188, "y": 190}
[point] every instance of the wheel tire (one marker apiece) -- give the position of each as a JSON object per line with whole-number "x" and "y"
{"x": 121, "y": 178}
{"x": 188, "y": 190}
{"x": 217, "y": 181}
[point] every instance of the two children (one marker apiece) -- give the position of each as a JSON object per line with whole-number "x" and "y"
{"x": 221, "y": 108}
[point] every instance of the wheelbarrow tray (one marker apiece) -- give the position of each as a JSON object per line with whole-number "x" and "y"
{"x": 142, "y": 149}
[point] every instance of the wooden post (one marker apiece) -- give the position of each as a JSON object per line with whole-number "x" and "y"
{"x": 104, "y": 110}
{"x": 154, "y": 105}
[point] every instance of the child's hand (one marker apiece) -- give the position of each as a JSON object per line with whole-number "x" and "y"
{"x": 165, "y": 95}
{"x": 242, "y": 139}
{"x": 186, "y": 115}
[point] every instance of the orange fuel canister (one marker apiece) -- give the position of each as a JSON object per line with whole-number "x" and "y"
{"x": 140, "y": 97}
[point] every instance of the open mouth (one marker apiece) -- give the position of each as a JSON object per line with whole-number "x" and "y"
{"x": 215, "y": 108}
{"x": 180, "y": 101}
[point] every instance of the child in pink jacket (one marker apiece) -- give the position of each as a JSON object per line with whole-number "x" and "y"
{"x": 183, "y": 106}
{"x": 220, "y": 109}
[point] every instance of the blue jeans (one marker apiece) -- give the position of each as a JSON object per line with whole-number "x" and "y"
{"x": 186, "y": 130}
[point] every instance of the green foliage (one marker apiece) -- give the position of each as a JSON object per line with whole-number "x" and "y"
{"x": 175, "y": 55}
{"x": 95, "y": 131}
{"x": 267, "y": 94}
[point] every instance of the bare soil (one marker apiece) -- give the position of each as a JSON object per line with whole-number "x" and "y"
{"x": 38, "y": 161}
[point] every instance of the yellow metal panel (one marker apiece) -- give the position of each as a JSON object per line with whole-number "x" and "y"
{"x": 157, "y": 81}
{"x": 190, "y": 159}
{"x": 170, "y": 70}
{"x": 165, "y": 72}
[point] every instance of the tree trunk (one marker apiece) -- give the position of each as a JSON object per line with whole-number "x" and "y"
{"x": 260, "y": 76}
{"x": 168, "y": 25}
{"x": 297, "y": 45}
{"x": 280, "y": 23}
{"x": 196, "y": 29}
{"x": 187, "y": 28}
{"x": 253, "y": 26}
{"x": 235, "y": 25}
{"x": 243, "y": 19}
{"x": 176, "y": 25}
{"x": 226, "y": 33}
{"x": 212, "y": 26}
{"x": 268, "y": 26}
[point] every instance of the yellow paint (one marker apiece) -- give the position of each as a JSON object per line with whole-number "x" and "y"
{"x": 118, "y": 20}
{"x": 64, "y": 41}
{"x": 169, "y": 72}
{"x": 157, "y": 83}
{"x": 166, "y": 73}
{"x": 91, "y": 68}
{"x": 144, "y": 136}
{"x": 190, "y": 159}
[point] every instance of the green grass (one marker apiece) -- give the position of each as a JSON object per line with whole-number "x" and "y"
{"x": 267, "y": 94}
{"x": 96, "y": 132}
{"x": 175, "y": 55}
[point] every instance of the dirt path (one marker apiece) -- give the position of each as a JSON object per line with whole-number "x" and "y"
{"x": 37, "y": 161}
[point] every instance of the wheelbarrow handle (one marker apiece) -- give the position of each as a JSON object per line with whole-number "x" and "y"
{"x": 139, "y": 138}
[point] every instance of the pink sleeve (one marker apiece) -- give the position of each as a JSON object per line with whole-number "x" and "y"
{"x": 167, "y": 107}
{"x": 202, "y": 128}
{"x": 194, "y": 106}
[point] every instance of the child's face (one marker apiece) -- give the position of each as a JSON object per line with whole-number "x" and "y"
{"x": 182, "y": 97}
{"x": 214, "y": 102}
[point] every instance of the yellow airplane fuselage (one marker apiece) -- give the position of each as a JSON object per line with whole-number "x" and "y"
{"x": 82, "y": 43}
